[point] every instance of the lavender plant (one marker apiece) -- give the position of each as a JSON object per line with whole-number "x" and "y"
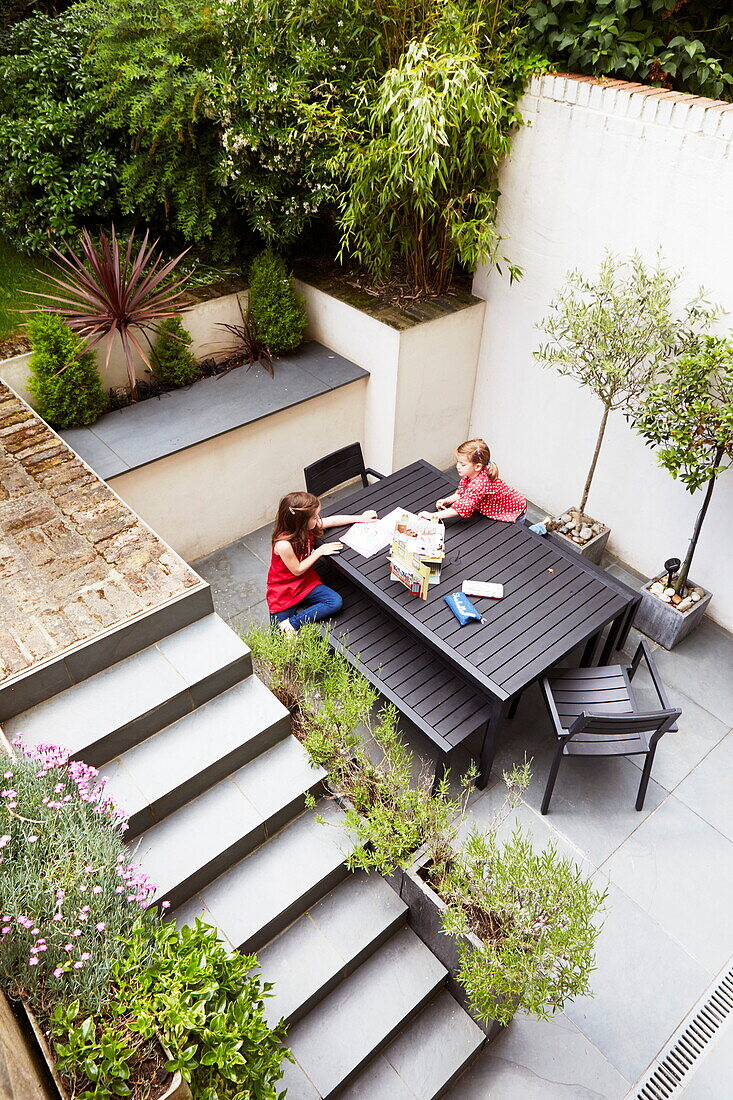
{"x": 68, "y": 893}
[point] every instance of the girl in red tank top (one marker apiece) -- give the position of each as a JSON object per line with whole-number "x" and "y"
{"x": 295, "y": 592}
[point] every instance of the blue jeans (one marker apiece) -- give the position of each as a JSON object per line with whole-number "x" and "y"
{"x": 318, "y": 604}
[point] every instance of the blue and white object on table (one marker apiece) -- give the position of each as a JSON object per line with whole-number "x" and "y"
{"x": 462, "y": 608}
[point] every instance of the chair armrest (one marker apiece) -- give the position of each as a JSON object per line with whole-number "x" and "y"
{"x": 643, "y": 651}
{"x": 374, "y": 473}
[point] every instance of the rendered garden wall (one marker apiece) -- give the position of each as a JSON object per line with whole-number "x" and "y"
{"x": 631, "y": 168}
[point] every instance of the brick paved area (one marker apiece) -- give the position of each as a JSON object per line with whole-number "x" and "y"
{"x": 74, "y": 560}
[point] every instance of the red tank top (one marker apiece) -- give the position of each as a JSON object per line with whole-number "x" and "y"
{"x": 284, "y": 590}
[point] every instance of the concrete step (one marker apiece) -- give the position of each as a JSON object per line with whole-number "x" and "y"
{"x": 262, "y": 894}
{"x": 424, "y": 1059}
{"x": 156, "y": 777}
{"x": 347, "y": 1028}
{"x": 328, "y": 942}
{"x": 109, "y": 712}
{"x": 196, "y": 843}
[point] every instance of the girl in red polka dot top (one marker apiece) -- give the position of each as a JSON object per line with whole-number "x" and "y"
{"x": 480, "y": 488}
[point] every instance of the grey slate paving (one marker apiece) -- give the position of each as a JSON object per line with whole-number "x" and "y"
{"x": 700, "y": 667}
{"x": 236, "y": 576}
{"x": 643, "y": 985}
{"x": 707, "y": 790}
{"x": 128, "y": 438}
{"x": 365, "y": 1011}
{"x": 679, "y": 870}
{"x": 205, "y": 648}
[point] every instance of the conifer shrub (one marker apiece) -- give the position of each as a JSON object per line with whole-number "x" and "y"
{"x": 275, "y": 307}
{"x": 174, "y": 362}
{"x": 64, "y": 380}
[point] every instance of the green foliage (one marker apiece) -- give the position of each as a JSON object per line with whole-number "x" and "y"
{"x": 173, "y": 362}
{"x": 688, "y": 414}
{"x": 687, "y": 46}
{"x": 422, "y": 189}
{"x": 332, "y": 705}
{"x": 58, "y": 159}
{"x": 19, "y": 280}
{"x": 533, "y": 913}
{"x": 205, "y": 1004}
{"x": 68, "y": 892}
{"x": 613, "y": 332}
{"x": 275, "y": 307}
{"x": 64, "y": 379}
{"x": 155, "y": 65}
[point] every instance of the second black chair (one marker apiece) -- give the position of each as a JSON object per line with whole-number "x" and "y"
{"x": 595, "y": 713}
{"x": 336, "y": 468}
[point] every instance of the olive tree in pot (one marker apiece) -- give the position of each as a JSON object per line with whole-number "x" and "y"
{"x": 612, "y": 333}
{"x": 688, "y": 415}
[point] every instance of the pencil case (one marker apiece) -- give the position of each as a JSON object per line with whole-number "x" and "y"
{"x": 462, "y": 608}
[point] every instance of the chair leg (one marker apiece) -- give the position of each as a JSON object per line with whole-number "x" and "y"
{"x": 645, "y": 776}
{"x": 551, "y": 778}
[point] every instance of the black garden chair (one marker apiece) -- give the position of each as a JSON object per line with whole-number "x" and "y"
{"x": 336, "y": 468}
{"x": 595, "y": 713}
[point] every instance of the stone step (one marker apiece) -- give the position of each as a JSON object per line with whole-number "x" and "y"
{"x": 156, "y": 777}
{"x": 329, "y": 942}
{"x": 196, "y": 843}
{"x": 263, "y": 893}
{"x": 424, "y": 1059}
{"x": 347, "y": 1028}
{"x": 106, "y": 714}
{"x": 79, "y": 662}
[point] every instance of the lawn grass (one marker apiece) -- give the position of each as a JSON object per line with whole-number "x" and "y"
{"x": 18, "y": 273}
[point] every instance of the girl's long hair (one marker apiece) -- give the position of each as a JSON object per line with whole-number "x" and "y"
{"x": 477, "y": 451}
{"x": 291, "y": 522}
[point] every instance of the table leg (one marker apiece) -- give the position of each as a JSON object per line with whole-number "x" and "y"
{"x": 613, "y": 639}
{"x": 488, "y": 748}
{"x": 590, "y": 648}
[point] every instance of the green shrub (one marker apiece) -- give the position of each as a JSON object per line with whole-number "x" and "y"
{"x": 277, "y": 310}
{"x": 67, "y": 891}
{"x": 173, "y": 362}
{"x": 184, "y": 987}
{"x": 64, "y": 379}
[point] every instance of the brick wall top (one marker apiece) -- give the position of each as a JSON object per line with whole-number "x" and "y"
{"x": 695, "y": 114}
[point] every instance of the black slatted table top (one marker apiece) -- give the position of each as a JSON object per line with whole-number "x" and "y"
{"x": 553, "y": 600}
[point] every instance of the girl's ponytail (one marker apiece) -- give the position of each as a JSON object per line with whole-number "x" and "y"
{"x": 477, "y": 451}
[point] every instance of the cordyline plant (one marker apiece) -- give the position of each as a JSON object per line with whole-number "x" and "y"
{"x": 614, "y": 332}
{"x": 688, "y": 415}
{"x": 108, "y": 291}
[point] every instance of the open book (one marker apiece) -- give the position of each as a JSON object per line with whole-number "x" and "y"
{"x": 368, "y": 538}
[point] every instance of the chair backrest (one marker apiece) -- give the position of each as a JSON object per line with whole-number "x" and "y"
{"x": 614, "y": 734}
{"x": 334, "y": 469}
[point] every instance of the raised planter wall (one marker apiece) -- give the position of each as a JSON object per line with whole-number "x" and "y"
{"x": 208, "y": 495}
{"x": 201, "y": 321}
{"x": 639, "y": 168}
{"x": 418, "y": 401}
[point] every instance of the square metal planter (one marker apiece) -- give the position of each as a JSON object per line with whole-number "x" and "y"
{"x": 593, "y": 550}
{"x": 662, "y": 622}
{"x": 426, "y": 920}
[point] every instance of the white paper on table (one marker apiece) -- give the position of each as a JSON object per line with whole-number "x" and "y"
{"x": 367, "y": 538}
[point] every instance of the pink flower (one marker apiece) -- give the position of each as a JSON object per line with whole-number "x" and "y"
{"x": 166, "y": 905}
{"x": 96, "y": 889}
{"x": 68, "y": 947}
{"x": 59, "y": 788}
{"x": 12, "y": 805}
{"x": 7, "y": 775}
{"x": 33, "y": 961}
{"x": 88, "y": 870}
{"x": 76, "y": 932}
{"x": 119, "y": 889}
{"x": 4, "y": 840}
{"x": 57, "y": 916}
{"x": 85, "y": 955}
{"x": 6, "y": 929}
{"x": 78, "y": 965}
{"x": 32, "y": 839}
{"x": 101, "y": 926}
{"x": 57, "y": 972}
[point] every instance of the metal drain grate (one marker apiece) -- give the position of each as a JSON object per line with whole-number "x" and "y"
{"x": 668, "y": 1075}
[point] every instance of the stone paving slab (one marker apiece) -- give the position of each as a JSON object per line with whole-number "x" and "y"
{"x": 74, "y": 560}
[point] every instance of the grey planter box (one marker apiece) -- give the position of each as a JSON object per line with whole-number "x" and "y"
{"x": 662, "y": 622}
{"x": 426, "y": 920}
{"x": 591, "y": 551}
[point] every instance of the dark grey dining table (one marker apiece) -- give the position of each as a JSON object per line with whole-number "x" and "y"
{"x": 553, "y": 602}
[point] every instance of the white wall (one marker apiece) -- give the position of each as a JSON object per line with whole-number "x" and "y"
{"x": 201, "y": 320}
{"x": 629, "y": 168}
{"x": 418, "y": 401}
{"x": 213, "y": 493}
